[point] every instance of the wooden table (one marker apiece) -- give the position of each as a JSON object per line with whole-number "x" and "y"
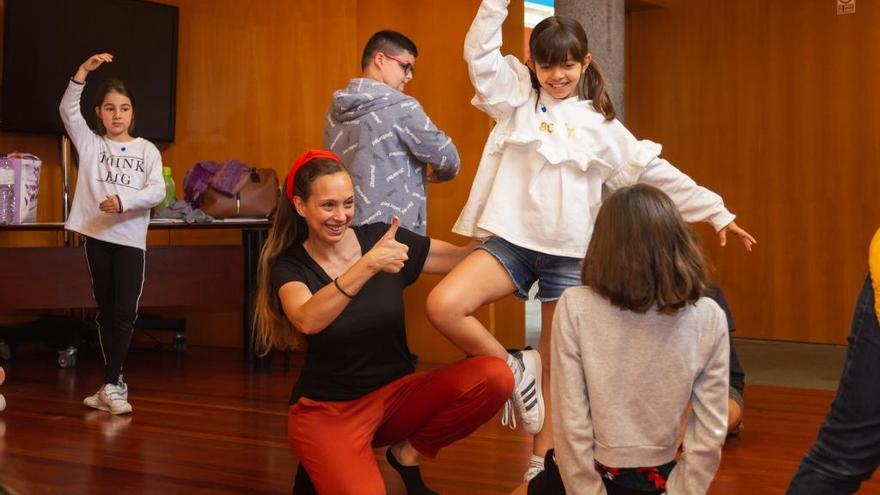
{"x": 190, "y": 276}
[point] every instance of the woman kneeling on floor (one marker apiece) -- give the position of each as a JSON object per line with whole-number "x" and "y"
{"x": 341, "y": 287}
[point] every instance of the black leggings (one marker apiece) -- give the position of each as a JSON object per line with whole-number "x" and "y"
{"x": 117, "y": 281}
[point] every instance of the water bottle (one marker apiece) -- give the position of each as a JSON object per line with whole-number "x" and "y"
{"x": 7, "y": 191}
{"x": 169, "y": 188}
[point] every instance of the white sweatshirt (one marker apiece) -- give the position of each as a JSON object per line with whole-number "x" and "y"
{"x": 131, "y": 170}
{"x": 621, "y": 384}
{"x": 541, "y": 190}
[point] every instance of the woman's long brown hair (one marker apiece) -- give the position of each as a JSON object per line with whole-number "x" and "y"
{"x": 271, "y": 327}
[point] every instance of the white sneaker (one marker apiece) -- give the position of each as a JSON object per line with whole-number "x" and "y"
{"x": 92, "y": 400}
{"x": 536, "y": 465}
{"x": 508, "y": 416}
{"x": 113, "y": 399}
{"x": 527, "y": 398}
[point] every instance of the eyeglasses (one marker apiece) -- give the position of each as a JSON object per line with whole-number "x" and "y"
{"x": 407, "y": 67}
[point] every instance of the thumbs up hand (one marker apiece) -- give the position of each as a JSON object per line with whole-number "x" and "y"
{"x": 388, "y": 255}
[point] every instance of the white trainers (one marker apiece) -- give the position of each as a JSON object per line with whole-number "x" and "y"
{"x": 526, "y": 400}
{"x": 92, "y": 400}
{"x": 110, "y": 398}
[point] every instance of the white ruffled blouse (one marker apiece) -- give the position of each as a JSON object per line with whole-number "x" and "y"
{"x": 547, "y": 162}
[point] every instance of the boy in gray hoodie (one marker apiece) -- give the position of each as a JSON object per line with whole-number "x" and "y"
{"x": 385, "y": 139}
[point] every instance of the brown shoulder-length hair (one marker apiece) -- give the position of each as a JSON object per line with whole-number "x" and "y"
{"x": 643, "y": 255}
{"x": 271, "y": 328}
{"x": 556, "y": 39}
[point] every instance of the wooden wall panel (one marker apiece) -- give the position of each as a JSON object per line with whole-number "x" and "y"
{"x": 771, "y": 104}
{"x": 253, "y": 80}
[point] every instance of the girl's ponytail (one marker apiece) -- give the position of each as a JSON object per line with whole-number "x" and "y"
{"x": 593, "y": 88}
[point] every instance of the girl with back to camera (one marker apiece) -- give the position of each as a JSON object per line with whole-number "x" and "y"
{"x": 632, "y": 348}
{"x": 555, "y": 148}
{"x": 119, "y": 180}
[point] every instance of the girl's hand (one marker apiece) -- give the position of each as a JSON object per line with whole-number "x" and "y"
{"x": 111, "y": 204}
{"x": 91, "y": 64}
{"x": 388, "y": 255}
{"x": 95, "y": 61}
{"x": 744, "y": 237}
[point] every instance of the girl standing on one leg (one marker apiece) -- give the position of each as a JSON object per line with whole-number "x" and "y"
{"x": 120, "y": 179}
{"x": 553, "y": 151}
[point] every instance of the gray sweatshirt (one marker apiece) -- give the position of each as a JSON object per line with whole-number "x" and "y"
{"x": 621, "y": 384}
{"x": 386, "y": 140}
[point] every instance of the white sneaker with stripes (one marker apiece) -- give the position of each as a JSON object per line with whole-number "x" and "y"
{"x": 527, "y": 401}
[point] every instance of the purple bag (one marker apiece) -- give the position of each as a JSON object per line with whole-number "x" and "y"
{"x": 197, "y": 180}
{"x": 231, "y": 177}
{"x": 25, "y": 180}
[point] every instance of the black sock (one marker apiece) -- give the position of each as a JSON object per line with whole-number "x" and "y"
{"x": 411, "y": 476}
{"x": 302, "y": 482}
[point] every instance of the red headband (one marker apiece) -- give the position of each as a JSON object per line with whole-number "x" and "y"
{"x": 302, "y": 160}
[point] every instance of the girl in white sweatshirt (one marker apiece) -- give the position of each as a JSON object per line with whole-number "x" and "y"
{"x": 119, "y": 180}
{"x": 555, "y": 149}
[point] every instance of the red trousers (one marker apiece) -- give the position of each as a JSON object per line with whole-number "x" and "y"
{"x": 334, "y": 440}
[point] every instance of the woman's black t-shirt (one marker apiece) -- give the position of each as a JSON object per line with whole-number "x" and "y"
{"x": 365, "y": 347}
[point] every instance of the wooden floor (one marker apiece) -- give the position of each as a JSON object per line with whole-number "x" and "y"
{"x": 202, "y": 425}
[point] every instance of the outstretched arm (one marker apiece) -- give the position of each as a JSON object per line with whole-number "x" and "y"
{"x": 696, "y": 203}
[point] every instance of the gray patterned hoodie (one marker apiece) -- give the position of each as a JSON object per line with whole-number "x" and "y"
{"x": 386, "y": 140}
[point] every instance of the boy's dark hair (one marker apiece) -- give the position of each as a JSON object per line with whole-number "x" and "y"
{"x": 392, "y": 42}
{"x": 643, "y": 255}
{"x": 113, "y": 85}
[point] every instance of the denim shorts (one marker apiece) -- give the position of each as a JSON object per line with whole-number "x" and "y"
{"x": 554, "y": 274}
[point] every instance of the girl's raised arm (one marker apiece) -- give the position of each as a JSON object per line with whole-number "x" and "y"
{"x": 502, "y": 83}
{"x": 71, "y": 116}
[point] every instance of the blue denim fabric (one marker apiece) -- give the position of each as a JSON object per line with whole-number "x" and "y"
{"x": 554, "y": 274}
{"x": 847, "y": 450}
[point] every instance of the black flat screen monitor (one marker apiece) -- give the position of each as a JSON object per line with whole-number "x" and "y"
{"x": 45, "y": 41}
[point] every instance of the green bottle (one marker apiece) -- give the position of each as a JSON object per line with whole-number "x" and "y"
{"x": 169, "y": 188}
